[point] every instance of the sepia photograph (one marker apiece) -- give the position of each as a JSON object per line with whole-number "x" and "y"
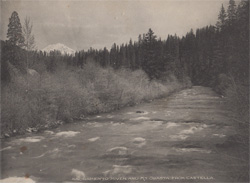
{"x": 118, "y": 91}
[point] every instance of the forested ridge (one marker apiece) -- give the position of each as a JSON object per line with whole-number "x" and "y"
{"x": 203, "y": 54}
{"x": 216, "y": 56}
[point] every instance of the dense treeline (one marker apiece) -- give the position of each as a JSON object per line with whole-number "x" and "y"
{"x": 203, "y": 55}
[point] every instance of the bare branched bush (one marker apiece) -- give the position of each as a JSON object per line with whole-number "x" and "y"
{"x": 38, "y": 102}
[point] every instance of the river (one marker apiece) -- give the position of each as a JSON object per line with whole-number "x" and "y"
{"x": 181, "y": 138}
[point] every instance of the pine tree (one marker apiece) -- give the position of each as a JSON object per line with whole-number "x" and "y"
{"x": 113, "y": 56}
{"x": 152, "y": 63}
{"x": 14, "y": 33}
{"x": 221, "y": 19}
{"x": 242, "y": 41}
{"x": 139, "y": 53}
{"x": 150, "y": 38}
{"x": 231, "y": 12}
{"x": 106, "y": 57}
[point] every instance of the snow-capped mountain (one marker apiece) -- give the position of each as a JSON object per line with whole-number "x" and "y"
{"x": 59, "y": 47}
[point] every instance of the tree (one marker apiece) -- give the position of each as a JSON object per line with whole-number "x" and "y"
{"x": 231, "y": 12}
{"x": 221, "y": 19}
{"x": 14, "y": 34}
{"x": 242, "y": 41}
{"x": 29, "y": 39}
{"x": 150, "y": 37}
{"x": 152, "y": 63}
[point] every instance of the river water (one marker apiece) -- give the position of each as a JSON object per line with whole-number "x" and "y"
{"x": 181, "y": 138}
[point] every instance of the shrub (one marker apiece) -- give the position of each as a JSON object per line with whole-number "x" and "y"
{"x": 39, "y": 102}
{"x": 222, "y": 84}
{"x": 237, "y": 96}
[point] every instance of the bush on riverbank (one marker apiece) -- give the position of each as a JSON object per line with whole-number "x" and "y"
{"x": 237, "y": 98}
{"x": 236, "y": 94}
{"x": 41, "y": 102}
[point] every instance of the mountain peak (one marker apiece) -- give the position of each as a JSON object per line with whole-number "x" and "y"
{"x": 59, "y": 47}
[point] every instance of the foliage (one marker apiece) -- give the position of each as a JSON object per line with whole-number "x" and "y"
{"x": 11, "y": 55}
{"x": 221, "y": 19}
{"x": 69, "y": 94}
{"x": 15, "y": 30}
{"x": 152, "y": 62}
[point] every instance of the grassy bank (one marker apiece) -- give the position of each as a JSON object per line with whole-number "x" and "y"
{"x": 36, "y": 102}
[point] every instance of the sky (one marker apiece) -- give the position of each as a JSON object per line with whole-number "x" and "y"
{"x": 81, "y": 24}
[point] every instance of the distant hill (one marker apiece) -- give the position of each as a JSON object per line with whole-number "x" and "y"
{"x": 59, "y": 47}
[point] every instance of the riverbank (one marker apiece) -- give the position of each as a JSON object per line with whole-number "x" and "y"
{"x": 31, "y": 104}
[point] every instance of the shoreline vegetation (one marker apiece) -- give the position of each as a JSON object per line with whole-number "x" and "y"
{"x": 33, "y": 103}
